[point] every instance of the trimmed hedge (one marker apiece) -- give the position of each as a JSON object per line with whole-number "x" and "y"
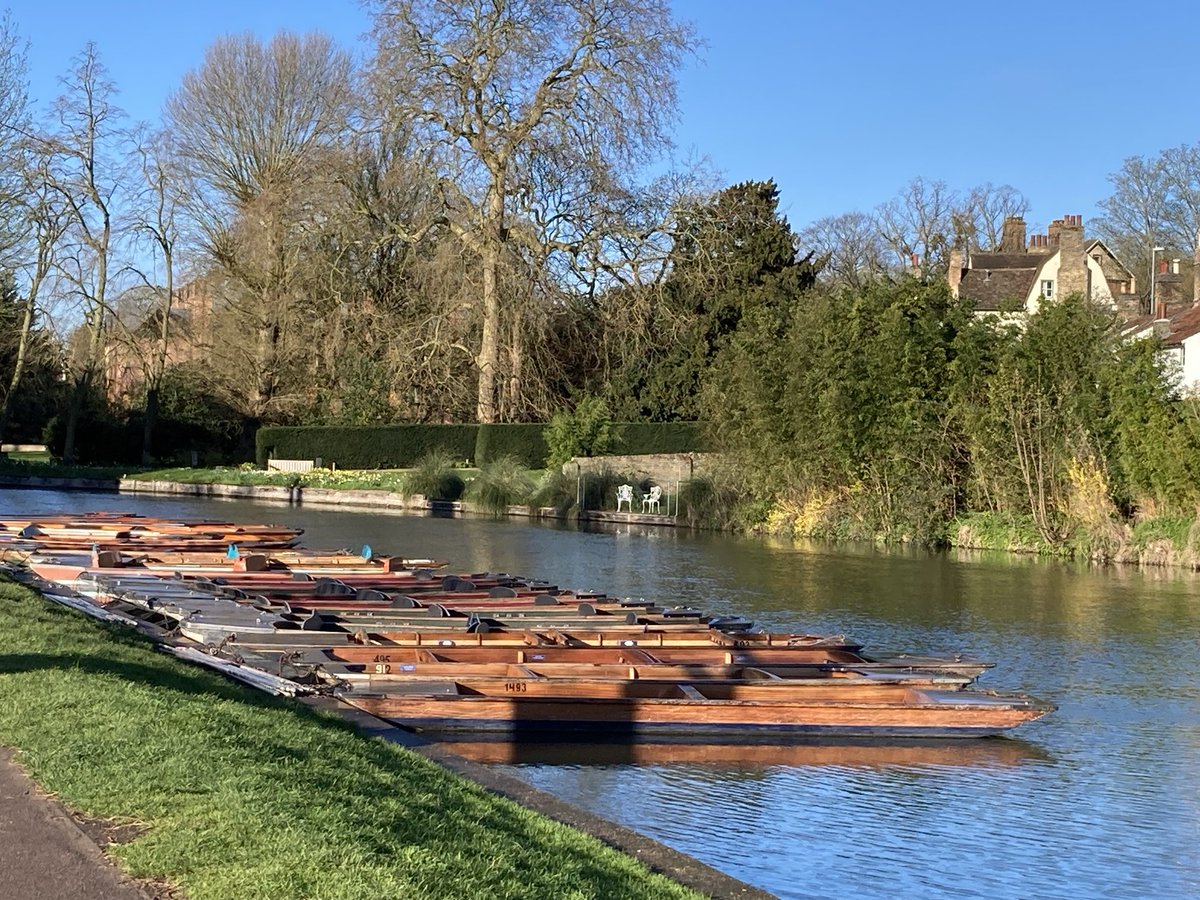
{"x": 401, "y": 446}
{"x": 638, "y": 438}
{"x": 525, "y": 443}
{"x": 365, "y": 447}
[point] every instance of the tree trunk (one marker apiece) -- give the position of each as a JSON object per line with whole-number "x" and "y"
{"x": 149, "y": 420}
{"x": 516, "y": 361}
{"x": 74, "y": 410}
{"x": 14, "y": 383}
{"x": 489, "y": 347}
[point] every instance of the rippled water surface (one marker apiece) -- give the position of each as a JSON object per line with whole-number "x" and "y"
{"x": 1100, "y": 799}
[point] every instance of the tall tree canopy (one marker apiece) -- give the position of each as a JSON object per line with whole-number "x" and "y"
{"x": 733, "y": 255}
{"x": 541, "y": 110}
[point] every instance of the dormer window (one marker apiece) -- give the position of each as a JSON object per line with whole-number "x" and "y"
{"x": 1048, "y": 288}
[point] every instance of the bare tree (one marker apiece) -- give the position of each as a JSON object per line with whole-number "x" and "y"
{"x": 537, "y": 108}
{"x": 255, "y": 126}
{"x": 157, "y": 221}
{"x": 851, "y": 246}
{"x": 86, "y": 149}
{"x": 918, "y": 226}
{"x": 980, "y": 220}
{"x": 44, "y": 218}
{"x": 14, "y": 130}
{"x": 1138, "y": 212}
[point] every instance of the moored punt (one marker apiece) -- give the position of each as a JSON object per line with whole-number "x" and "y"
{"x": 717, "y": 710}
{"x": 68, "y": 565}
{"x": 531, "y": 637}
{"x": 550, "y": 678}
{"x": 783, "y": 661}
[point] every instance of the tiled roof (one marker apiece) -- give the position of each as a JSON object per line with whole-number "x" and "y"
{"x": 990, "y": 288}
{"x": 1184, "y": 324}
{"x": 1007, "y": 260}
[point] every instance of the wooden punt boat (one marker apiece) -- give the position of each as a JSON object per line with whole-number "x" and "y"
{"x": 441, "y": 639}
{"x": 525, "y": 617}
{"x": 719, "y": 711}
{"x": 533, "y": 678}
{"x": 277, "y": 566}
{"x": 401, "y": 604}
{"x": 783, "y": 661}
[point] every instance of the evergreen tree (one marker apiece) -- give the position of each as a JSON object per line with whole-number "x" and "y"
{"x": 731, "y": 256}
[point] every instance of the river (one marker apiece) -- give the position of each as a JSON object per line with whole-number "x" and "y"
{"x": 1099, "y": 799}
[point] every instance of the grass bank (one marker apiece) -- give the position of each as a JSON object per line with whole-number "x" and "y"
{"x": 240, "y": 795}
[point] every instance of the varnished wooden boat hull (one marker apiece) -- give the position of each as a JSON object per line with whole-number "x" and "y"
{"x": 931, "y": 714}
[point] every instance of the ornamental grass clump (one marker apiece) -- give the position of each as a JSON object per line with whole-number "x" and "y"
{"x": 435, "y": 477}
{"x": 556, "y": 490}
{"x": 501, "y": 484}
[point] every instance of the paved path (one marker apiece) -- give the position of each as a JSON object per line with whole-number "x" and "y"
{"x": 43, "y": 853}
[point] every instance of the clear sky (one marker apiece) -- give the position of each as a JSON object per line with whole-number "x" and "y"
{"x": 842, "y": 103}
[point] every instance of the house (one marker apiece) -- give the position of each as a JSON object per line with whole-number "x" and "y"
{"x": 131, "y": 350}
{"x": 1175, "y": 322}
{"x": 1019, "y": 278}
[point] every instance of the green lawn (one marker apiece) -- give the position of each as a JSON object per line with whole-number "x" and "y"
{"x": 243, "y": 795}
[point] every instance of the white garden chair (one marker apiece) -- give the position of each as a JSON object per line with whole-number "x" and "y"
{"x": 625, "y": 495}
{"x": 650, "y": 500}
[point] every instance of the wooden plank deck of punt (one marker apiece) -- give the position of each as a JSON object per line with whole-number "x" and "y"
{"x": 779, "y": 660}
{"x": 385, "y": 581}
{"x": 283, "y": 559}
{"x": 546, "y": 678}
{"x": 483, "y": 607}
{"x": 509, "y": 620}
{"x": 635, "y": 636}
{"x": 703, "y": 710}
{"x": 527, "y": 618}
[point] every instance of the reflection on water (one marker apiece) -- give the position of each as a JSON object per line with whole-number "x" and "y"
{"x": 751, "y": 758}
{"x": 1100, "y": 799}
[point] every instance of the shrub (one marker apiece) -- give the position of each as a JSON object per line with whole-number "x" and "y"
{"x": 435, "y": 477}
{"x": 500, "y": 484}
{"x": 585, "y": 432}
{"x": 704, "y": 503}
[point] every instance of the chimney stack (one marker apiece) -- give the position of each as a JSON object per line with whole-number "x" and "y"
{"x": 1072, "y": 262}
{"x": 1053, "y": 230}
{"x": 955, "y": 274}
{"x": 1196, "y": 272}
{"x": 1012, "y": 235}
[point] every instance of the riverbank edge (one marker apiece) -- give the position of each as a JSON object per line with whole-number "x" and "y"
{"x": 1114, "y": 546}
{"x": 368, "y": 499}
{"x": 659, "y": 858}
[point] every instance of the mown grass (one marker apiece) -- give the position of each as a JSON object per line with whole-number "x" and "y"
{"x": 243, "y": 795}
{"x": 395, "y": 480}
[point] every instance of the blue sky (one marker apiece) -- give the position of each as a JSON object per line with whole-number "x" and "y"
{"x": 842, "y": 103}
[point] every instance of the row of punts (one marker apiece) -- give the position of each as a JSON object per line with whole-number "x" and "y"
{"x": 489, "y": 653}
